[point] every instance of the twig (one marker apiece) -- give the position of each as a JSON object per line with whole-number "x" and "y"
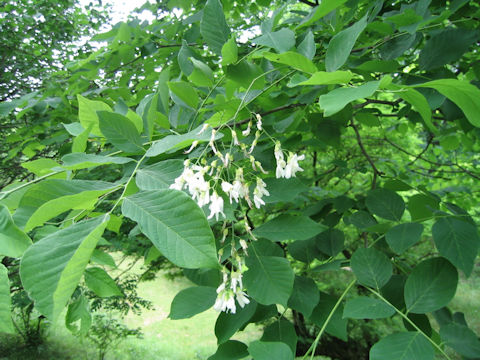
{"x": 309, "y": 3}
{"x": 376, "y": 172}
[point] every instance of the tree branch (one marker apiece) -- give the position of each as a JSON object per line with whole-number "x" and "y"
{"x": 376, "y": 172}
{"x": 309, "y": 3}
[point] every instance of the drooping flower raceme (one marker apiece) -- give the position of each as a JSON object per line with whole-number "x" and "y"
{"x": 207, "y": 180}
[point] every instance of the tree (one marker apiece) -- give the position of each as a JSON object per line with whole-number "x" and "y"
{"x": 319, "y": 173}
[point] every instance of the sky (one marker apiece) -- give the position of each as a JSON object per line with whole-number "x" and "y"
{"x": 122, "y": 8}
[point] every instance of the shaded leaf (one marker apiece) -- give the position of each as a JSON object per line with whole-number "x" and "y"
{"x": 430, "y": 286}
{"x": 363, "y": 307}
{"x": 402, "y": 236}
{"x": 269, "y": 279}
{"x": 213, "y": 26}
{"x": 401, "y": 346}
{"x": 458, "y": 241}
{"x": 371, "y": 267}
{"x": 281, "y": 40}
{"x": 289, "y": 227}
{"x": 191, "y": 301}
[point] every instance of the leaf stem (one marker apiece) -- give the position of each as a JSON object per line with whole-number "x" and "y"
{"x": 313, "y": 347}
{"x": 407, "y": 319}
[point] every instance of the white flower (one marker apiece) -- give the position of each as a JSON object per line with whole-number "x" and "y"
{"x": 259, "y": 192}
{"x": 225, "y": 301}
{"x": 242, "y": 298}
{"x": 278, "y": 151}
{"x": 280, "y": 172}
{"x": 236, "y": 280}
{"x": 204, "y": 127}
{"x": 259, "y": 121}
{"x": 216, "y": 206}
{"x": 193, "y": 146}
{"x": 235, "y": 138}
{"x": 246, "y": 132}
{"x": 292, "y": 165}
{"x": 227, "y": 188}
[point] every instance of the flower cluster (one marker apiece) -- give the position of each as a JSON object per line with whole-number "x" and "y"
{"x": 232, "y": 288}
{"x": 239, "y": 180}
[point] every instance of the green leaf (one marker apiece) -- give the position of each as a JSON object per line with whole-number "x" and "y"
{"x": 13, "y": 241}
{"x": 402, "y": 346}
{"x": 183, "y": 94}
{"x": 79, "y": 144}
{"x": 78, "y": 310}
{"x": 307, "y": 47}
{"x": 284, "y": 190}
{"x": 461, "y": 339}
{"x": 160, "y": 175}
{"x": 101, "y": 283}
{"x": 304, "y": 250}
{"x": 204, "y": 277}
{"x": 281, "y": 330}
{"x": 421, "y": 207}
{"x": 458, "y": 241}
{"x": 281, "y": 40}
{"x": 337, "y": 99}
{"x": 402, "y": 236}
{"x": 230, "y": 350}
{"x": 228, "y": 324}
{"x": 289, "y": 227}
{"x": 430, "y": 286}
{"x": 102, "y": 258}
{"x": 269, "y": 279}
{"x": 52, "y": 267}
{"x": 120, "y": 131}
{"x": 341, "y": 45}
{"x": 260, "y": 350}
{"x": 77, "y": 161}
{"x": 371, "y": 267}
{"x": 305, "y": 295}
{"x": 363, "y": 307}
{"x": 337, "y": 326}
{"x": 420, "y": 104}
{"x": 328, "y": 78}
{"x": 202, "y": 75}
{"x": 50, "y": 198}
{"x": 213, "y": 26}
{"x": 171, "y": 143}
{"x": 6, "y": 324}
{"x": 331, "y": 241}
{"x": 325, "y": 7}
{"x": 385, "y": 203}
{"x": 82, "y": 195}
{"x": 465, "y": 95}
{"x": 175, "y": 225}
{"x": 292, "y": 59}
{"x": 87, "y": 113}
{"x": 229, "y": 52}
{"x": 446, "y": 47}
{"x": 192, "y": 301}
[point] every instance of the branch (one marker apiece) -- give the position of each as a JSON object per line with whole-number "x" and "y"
{"x": 285, "y": 107}
{"x": 376, "y": 172}
{"x": 374, "y": 101}
{"x": 429, "y": 141}
{"x": 309, "y": 3}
